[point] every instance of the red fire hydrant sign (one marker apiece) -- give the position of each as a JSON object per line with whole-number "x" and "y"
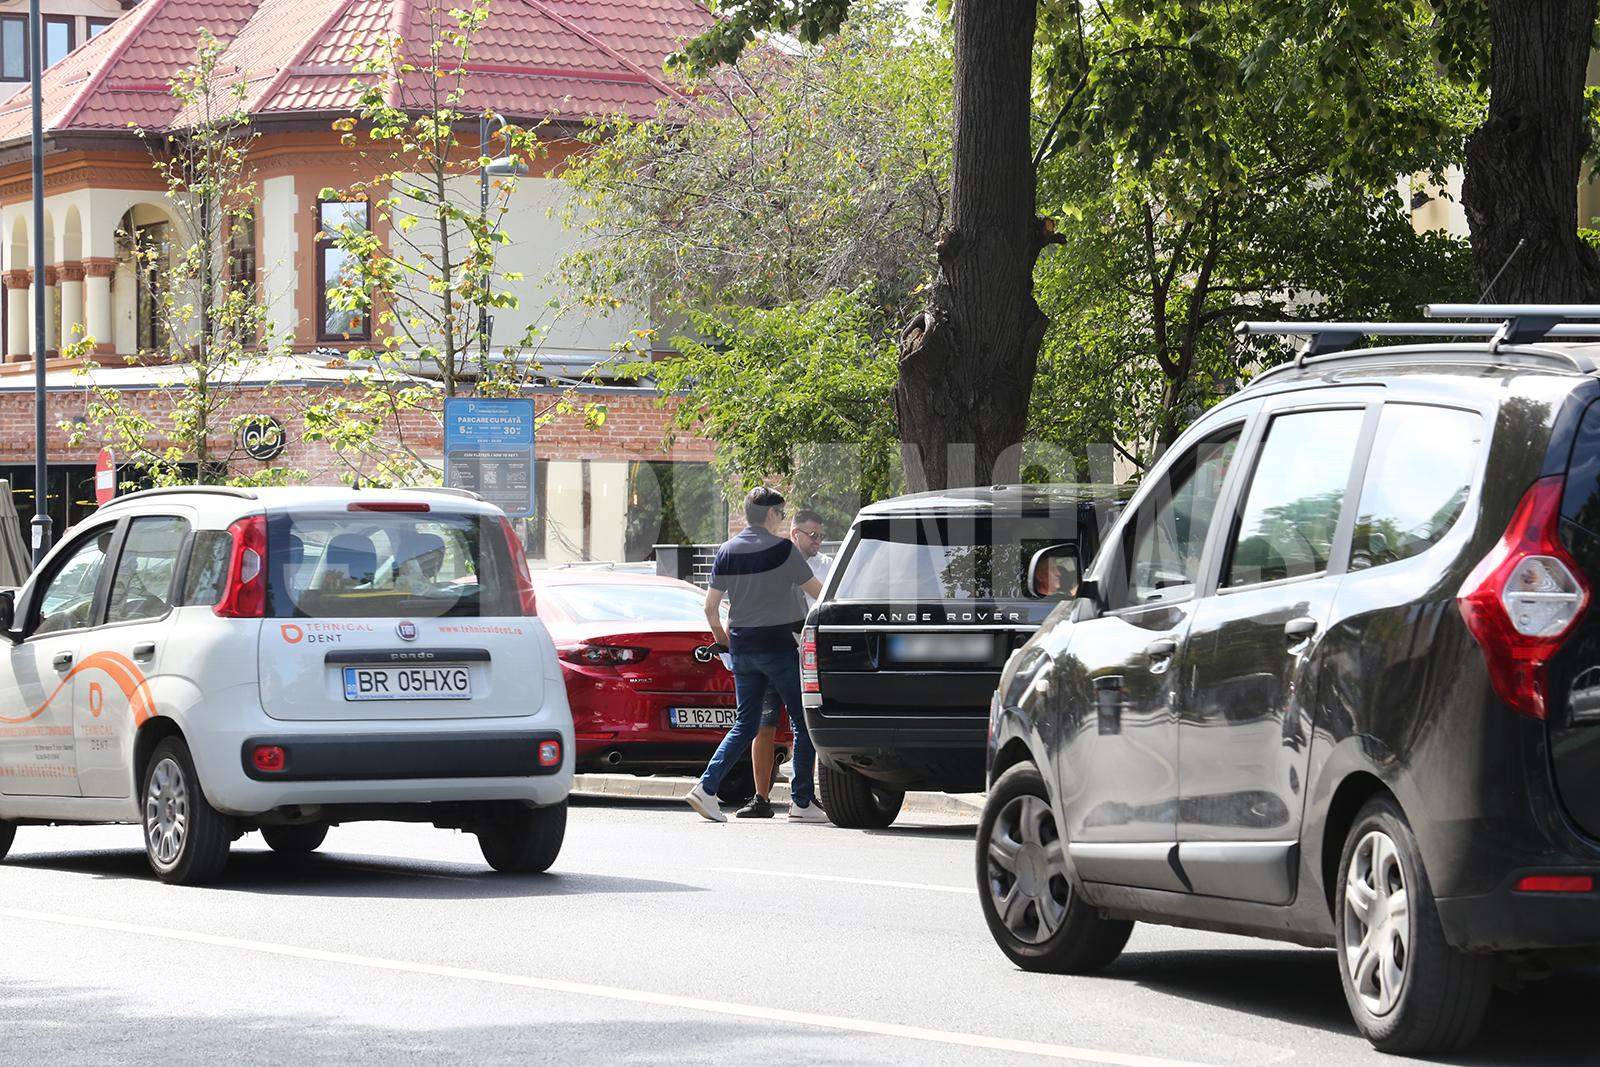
{"x": 105, "y": 477}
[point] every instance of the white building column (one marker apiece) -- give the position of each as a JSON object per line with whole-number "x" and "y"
{"x": 16, "y": 315}
{"x": 52, "y": 323}
{"x": 97, "y": 302}
{"x": 72, "y": 322}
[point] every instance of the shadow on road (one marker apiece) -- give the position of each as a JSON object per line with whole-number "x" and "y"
{"x": 1551, "y": 1022}
{"x": 602, "y": 800}
{"x": 956, "y": 831}
{"x": 334, "y": 875}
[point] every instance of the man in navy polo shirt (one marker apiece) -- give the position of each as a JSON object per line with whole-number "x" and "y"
{"x": 758, "y": 571}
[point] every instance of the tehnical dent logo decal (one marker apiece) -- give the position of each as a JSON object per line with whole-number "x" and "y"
{"x": 407, "y": 630}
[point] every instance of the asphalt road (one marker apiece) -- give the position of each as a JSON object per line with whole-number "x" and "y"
{"x": 657, "y": 938}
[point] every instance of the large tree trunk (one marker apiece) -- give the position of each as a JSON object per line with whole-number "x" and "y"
{"x": 1523, "y": 162}
{"x": 967, "y": 363}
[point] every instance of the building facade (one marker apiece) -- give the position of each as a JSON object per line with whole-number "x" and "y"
{"x": 552, "y": 64}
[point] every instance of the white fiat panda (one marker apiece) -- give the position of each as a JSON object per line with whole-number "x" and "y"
{"x": 209, "y": 661}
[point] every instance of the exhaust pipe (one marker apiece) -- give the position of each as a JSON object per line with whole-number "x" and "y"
{"x": 613, "y": 758}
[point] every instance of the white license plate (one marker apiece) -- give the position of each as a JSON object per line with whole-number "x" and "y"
{"x": 408, "y": 683}
{"x": 701, "y": 718}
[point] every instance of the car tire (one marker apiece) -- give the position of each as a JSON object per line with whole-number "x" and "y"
{"x": 295, "y": 840}
{"x": 738, "y": 786}
{"x": 853, "y": 802}
{"x": 523, "y": 840}
{"x": 186, "y": 840}
{"x": 1029, "y": 898}
{"x": 8, "y": 834}
{"x": 1409, "y": 991}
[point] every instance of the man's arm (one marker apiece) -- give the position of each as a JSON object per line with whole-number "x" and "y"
{"x": 714, "y": 616}
{"x": 812, "y": 589}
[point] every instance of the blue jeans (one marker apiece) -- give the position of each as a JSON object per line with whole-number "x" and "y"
{"x": 753, "y": 674}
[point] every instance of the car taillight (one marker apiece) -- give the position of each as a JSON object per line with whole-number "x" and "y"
{"x": 519, "y": 567}
{"x": 809, "y": 682}
{"x": 1524, "y": 597}
{"x": 549, "y": 753}
{"x": 244, "y": 590}
{"x": 387, "y": 505}
{"x": 269, "y": 759}
{"x": 601, "y": 655}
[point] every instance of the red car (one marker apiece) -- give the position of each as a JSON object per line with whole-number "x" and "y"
{"x": 647, "y": 694}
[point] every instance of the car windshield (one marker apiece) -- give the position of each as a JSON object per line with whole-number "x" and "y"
{"x": 957, "y": 558}
{"x": 371, "y": 565}
{"x": 619, "y": 602}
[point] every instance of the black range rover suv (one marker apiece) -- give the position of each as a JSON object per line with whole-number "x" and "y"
{"x": 928, "y": 597}
{"x": 1334, "y": 679}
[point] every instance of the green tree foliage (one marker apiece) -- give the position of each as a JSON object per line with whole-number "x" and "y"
{"x": 1248, "y": 210}
{"x": 212, "y": 330}
{"x": 799, "y": 391}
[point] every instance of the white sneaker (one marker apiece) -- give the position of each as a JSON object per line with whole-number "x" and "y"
{"x": 705, "y": 803}
{"x": 807, "y": 813}
{"x": 786, "y": 772}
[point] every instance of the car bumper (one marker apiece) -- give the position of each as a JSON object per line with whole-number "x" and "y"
{"x": 378, "y": 762}
{"x": 1507, "y": 920}
{"x": 942, "y": 753}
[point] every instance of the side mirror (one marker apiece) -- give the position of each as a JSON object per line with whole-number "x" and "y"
{"x": 8, "y": 613}
{"x": 1055, "y": 573}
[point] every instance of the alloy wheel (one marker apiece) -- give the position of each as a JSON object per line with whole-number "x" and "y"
{"x": 1377, "y": 923}
{"x": 1028, "y": 870}
{"x": 166, "y": 812}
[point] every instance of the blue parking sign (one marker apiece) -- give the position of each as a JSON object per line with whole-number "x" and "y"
{"x": 488, "y": 448}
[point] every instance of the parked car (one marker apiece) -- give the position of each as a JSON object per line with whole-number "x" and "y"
{"x": 1332, "y": 680}
{"x": 929, "y": 595}
{"x": 648, "y": 693}
{"x": 208, "y": 661}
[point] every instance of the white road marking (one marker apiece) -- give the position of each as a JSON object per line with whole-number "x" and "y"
{"x": 760, "y": 1013}
{"x": 965, "y": 890}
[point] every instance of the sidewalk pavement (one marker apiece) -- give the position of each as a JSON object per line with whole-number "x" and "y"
{"x": 629, "y": 785}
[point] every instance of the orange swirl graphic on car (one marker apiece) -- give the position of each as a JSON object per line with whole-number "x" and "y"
{"x": 120, "y": 669}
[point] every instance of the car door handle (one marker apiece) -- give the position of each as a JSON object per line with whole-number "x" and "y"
{"x": 1297, "y": 630}
{"x": 1162, "y": 649}
{"x": 62, "y": 661}
{"x": 145, "y": 653}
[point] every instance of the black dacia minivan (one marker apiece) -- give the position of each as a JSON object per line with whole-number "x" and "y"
{"x": 928, "y": 597}
{"x": 1334, "y": 679}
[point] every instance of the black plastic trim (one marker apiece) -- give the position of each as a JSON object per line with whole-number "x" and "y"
{"x": 408, "y": 655}
{"x": 367, "y": 757}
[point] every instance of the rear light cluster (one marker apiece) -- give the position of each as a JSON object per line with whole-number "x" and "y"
{"x": 269, "y": 759}
{"x": 1523, "y": 599}
{"x": 519, "y": 567}
{"x": 244, "y": 589}
{"x": 387, "y": 505}
{"x": 601, "y": 655}
{"x": 809, "y": 682}
{"x": 549, "y": 753}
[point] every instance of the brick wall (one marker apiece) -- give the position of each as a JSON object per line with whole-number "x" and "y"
{"x": 635, "y": 427}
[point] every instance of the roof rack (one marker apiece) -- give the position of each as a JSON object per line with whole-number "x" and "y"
{"x": 209, "y": 490}
{"x": 1506, "y": 324}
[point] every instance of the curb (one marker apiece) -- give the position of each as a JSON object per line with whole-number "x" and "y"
{"x": 662, "y": 788}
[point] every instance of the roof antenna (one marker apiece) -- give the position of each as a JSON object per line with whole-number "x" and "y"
{"x": 1483, "y": 298}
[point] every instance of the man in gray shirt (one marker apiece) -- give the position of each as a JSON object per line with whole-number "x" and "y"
{"x": 758, "y": 571}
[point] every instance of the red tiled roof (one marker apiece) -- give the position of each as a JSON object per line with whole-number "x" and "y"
{"x": 533, "y": 59}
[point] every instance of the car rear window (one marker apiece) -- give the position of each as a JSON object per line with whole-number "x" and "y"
{"x": 359, "y": 565}
{"x": 947, "y": 558}
{"x": 605, "y": 602}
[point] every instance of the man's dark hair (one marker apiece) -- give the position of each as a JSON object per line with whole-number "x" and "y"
{"x": 760, "y": 501}
{"x": 807, "y": 515}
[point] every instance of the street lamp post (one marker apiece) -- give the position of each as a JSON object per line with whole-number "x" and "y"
{"x": 41, "y": 473}
{"x": 497, "y": 167}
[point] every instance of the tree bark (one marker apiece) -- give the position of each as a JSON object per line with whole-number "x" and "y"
{"x": 1523, "y": 162}
{"x": 967, "y": 362}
